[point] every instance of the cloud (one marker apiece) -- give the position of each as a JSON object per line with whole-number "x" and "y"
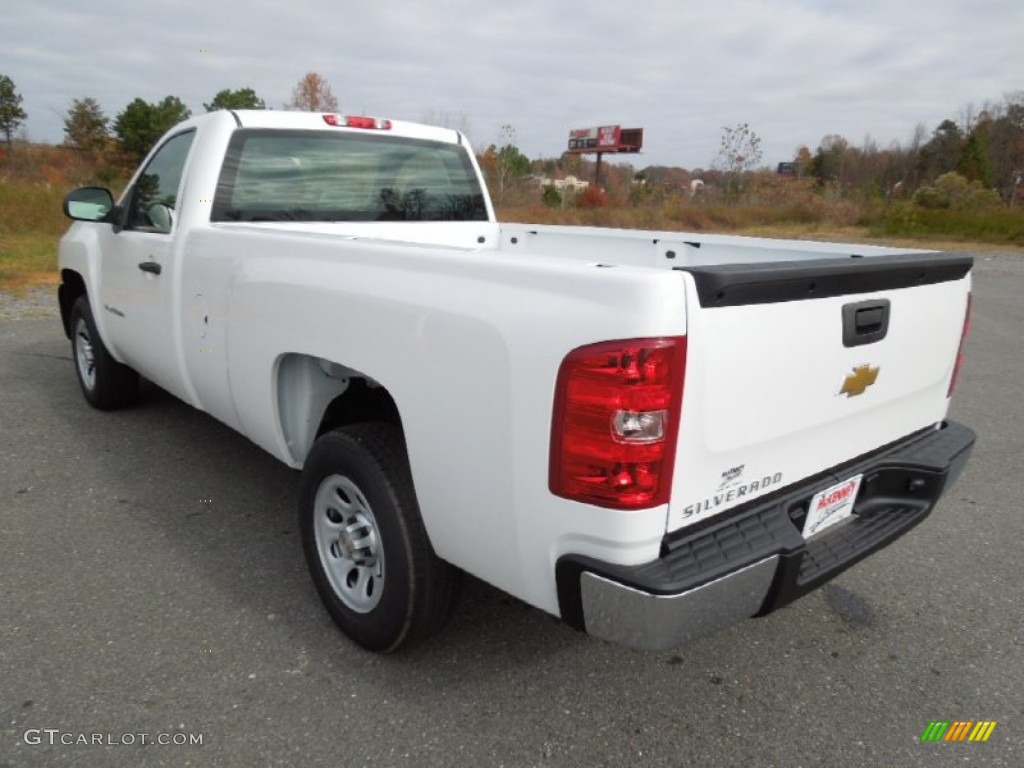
{"x": 795, "y": 70}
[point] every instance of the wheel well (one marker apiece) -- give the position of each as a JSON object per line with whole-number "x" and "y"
{"x": 71, "y": 287}
{"x": 364, "y": 400}
{"x": 316, "y": 395}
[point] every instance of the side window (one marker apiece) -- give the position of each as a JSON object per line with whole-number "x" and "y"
{"x": 155, "y": 195}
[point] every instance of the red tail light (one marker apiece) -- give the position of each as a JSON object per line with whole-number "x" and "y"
{"x": 616, "y": 420}
{"x": 960, "y": 349}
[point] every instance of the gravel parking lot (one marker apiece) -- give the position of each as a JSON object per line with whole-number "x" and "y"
{"x": 152, "y": 582}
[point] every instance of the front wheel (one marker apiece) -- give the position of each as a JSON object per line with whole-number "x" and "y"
{"x": 365, "y": 542}
{"x": 106, "y": 383}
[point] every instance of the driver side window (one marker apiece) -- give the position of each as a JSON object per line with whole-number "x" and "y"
{"x": 155, "y": 194}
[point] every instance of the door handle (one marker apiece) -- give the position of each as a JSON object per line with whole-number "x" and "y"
{"x": 865, "y": 322}
{"x": 150, "y": 266}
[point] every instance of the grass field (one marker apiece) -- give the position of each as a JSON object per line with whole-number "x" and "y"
{"x": 31, "y": 223}
{"x": 901, "y": 225}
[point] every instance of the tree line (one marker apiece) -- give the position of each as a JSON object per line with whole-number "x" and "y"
{"x": 982, "y": 148}
{"x": 975, "y": 159}
{"x": 970, "y": 162}
{"x": 135, "y": 129}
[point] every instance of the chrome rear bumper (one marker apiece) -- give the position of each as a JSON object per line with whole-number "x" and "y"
{"x": 753, "y": 559}
{"x": 627, "y": 616}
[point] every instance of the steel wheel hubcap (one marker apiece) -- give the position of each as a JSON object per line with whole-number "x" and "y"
{"x": 348, "y": 543}
{"x": 84, "y": 355}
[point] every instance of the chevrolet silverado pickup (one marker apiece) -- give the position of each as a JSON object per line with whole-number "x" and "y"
{"x": 651, "y": 435}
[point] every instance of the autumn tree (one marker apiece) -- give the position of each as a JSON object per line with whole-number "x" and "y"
{"x": 802, "y": 157}
{"x": 312, "y": 94}
{"x": 505, "y": 165}
{"x": 593, "y": 197}
{"x": 739, "y": 150}
{"x": 904, "y": 166}
{"x": 243, "y": 98}
{"x": 551, "y": 197}
{"x": 141, "y": 124}
{"x": 829, "y": 161}
{"x": 512, "y": 163}
{"x": 85, "y": 125}
{"x": 951, "y": 190}
{"x": 11, "y": 113}
{"x": 973, "y": 163}
{"x": 942, "y": 152}
{"x": 1004, "y": 139}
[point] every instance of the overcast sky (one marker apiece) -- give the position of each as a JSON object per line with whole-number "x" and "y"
{"x": 795, "y": 70}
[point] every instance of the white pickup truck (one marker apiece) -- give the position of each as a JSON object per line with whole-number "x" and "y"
{"x": 649, "y": 434}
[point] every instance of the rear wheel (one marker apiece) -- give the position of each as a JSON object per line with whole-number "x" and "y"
{"x": 106, "y": 383}
{"x": 364, "y": 540}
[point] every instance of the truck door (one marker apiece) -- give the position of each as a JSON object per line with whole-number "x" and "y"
{"x": 138, "y": 265}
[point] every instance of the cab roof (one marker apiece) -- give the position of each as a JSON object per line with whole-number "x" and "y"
{"x": 336, "y": 121}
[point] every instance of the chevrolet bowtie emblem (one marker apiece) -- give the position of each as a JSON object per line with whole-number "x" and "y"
{"x": 863, "y": 376}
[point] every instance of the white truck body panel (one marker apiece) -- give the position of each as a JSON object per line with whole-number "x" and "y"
{"x": 416, "y": 321}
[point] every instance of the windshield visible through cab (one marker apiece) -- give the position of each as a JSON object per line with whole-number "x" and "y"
{"x": 274, "y": 175}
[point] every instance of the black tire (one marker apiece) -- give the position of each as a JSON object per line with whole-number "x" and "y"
{"x": 365, "y": 543}
{"x": 106, "y": 383}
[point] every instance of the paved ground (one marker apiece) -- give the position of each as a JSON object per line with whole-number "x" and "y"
{"x": 151, "y": 581}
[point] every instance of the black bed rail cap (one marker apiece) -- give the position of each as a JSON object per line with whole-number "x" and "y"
{"x": 732, "y": 285}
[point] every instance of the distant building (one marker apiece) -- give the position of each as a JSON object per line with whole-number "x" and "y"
{"x": 789, "y": 169}
{"x": 569, "y": 182}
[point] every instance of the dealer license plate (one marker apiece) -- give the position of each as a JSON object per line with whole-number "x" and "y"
{"x": 831, "y": 506}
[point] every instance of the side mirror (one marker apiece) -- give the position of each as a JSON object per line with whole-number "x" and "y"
{"x": 162, "y": 217}
{"x": 88, "y": 204}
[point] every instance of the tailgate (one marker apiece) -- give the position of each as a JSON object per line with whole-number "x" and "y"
{"x": 795, "y": 367}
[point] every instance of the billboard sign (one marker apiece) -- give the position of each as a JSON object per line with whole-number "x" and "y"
{"x": 583, "y": 138}
{"x": 606, "y": 138}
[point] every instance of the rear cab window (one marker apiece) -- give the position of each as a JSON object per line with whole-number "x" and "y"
{"x": 297, "y": 175}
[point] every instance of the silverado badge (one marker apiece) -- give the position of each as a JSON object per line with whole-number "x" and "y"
{"x": 863, "y": 376}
